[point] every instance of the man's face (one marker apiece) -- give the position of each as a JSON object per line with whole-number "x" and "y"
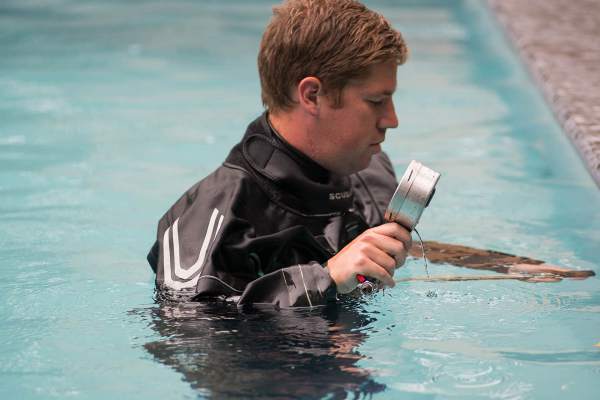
{"x": 351, "y": 134}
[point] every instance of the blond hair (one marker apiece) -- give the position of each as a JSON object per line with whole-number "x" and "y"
{"x": 334, "y": 40}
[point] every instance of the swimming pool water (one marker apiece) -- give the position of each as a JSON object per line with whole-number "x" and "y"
{"x": 110, "y": 110}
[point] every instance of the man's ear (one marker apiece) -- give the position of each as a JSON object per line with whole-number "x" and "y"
{"x": 310, "y": 90}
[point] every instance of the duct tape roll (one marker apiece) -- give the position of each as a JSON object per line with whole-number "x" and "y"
{"x": 413, "y": 194}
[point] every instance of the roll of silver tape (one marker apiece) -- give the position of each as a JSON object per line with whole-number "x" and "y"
{"x": 413, "y": 194}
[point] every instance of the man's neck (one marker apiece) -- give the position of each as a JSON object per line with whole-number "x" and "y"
{"x": 291, "y": 128}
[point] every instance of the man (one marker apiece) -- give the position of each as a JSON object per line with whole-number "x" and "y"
{"x": 295, "y": 212}
{"x": 307, "y": 184}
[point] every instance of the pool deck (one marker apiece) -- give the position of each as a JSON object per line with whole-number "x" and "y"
{"x": 560, "y": 43}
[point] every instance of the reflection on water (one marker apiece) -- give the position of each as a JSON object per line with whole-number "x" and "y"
{"x": 572, "y": 357}
{"x": 226, "y": 353}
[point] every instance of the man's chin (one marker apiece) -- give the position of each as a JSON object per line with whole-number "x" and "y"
{"x": 359, "y": 167}
{"x": 352, "y": 166}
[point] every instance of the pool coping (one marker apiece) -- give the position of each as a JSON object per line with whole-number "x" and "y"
{"x": 557, "y": 39}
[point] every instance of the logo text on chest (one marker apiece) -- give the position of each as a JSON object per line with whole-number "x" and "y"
{"x": 340, "y": 195}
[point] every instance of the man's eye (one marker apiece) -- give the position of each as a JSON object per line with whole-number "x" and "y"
{"x": 376, "y": 102}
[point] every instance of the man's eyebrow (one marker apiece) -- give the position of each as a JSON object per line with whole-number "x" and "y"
{"x": 387, "y": 93}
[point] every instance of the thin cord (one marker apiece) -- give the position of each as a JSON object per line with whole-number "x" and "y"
{"x": 423, "y": 250}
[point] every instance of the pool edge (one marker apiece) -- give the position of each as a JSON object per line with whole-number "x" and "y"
{"x": 561, "y": 57}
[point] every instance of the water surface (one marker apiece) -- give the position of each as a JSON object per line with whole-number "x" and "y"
{"x": 110, "y": 110}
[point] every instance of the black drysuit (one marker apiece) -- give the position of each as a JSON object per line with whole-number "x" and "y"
{"x": 259, "y": 228}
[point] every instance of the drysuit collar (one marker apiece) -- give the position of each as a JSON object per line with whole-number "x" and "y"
{"x": 289, "y": 176}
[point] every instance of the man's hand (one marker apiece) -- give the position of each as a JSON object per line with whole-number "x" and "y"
{"x": 375, "y": 253}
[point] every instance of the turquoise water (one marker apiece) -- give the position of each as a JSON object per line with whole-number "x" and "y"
{"x": 110, "y": 110}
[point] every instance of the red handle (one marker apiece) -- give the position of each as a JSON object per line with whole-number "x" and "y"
{"x": 360, "y": 278}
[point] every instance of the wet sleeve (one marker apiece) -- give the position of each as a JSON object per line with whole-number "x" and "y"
{"x": 301, "y": 285}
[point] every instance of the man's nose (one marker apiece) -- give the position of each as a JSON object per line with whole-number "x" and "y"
{"x": 389, "y": 118}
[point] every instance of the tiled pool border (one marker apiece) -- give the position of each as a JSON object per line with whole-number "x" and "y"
{"x": 558, "y": 40}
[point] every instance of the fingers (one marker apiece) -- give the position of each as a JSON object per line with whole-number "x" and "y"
{"x": 381, "y": 258}
{"x": 391, "y": 238}
{"x": 375, "y": 253}
{"x": 393, "y": 247}
{"x": 374, "y": 270}
{"x": 396, "y": 231}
